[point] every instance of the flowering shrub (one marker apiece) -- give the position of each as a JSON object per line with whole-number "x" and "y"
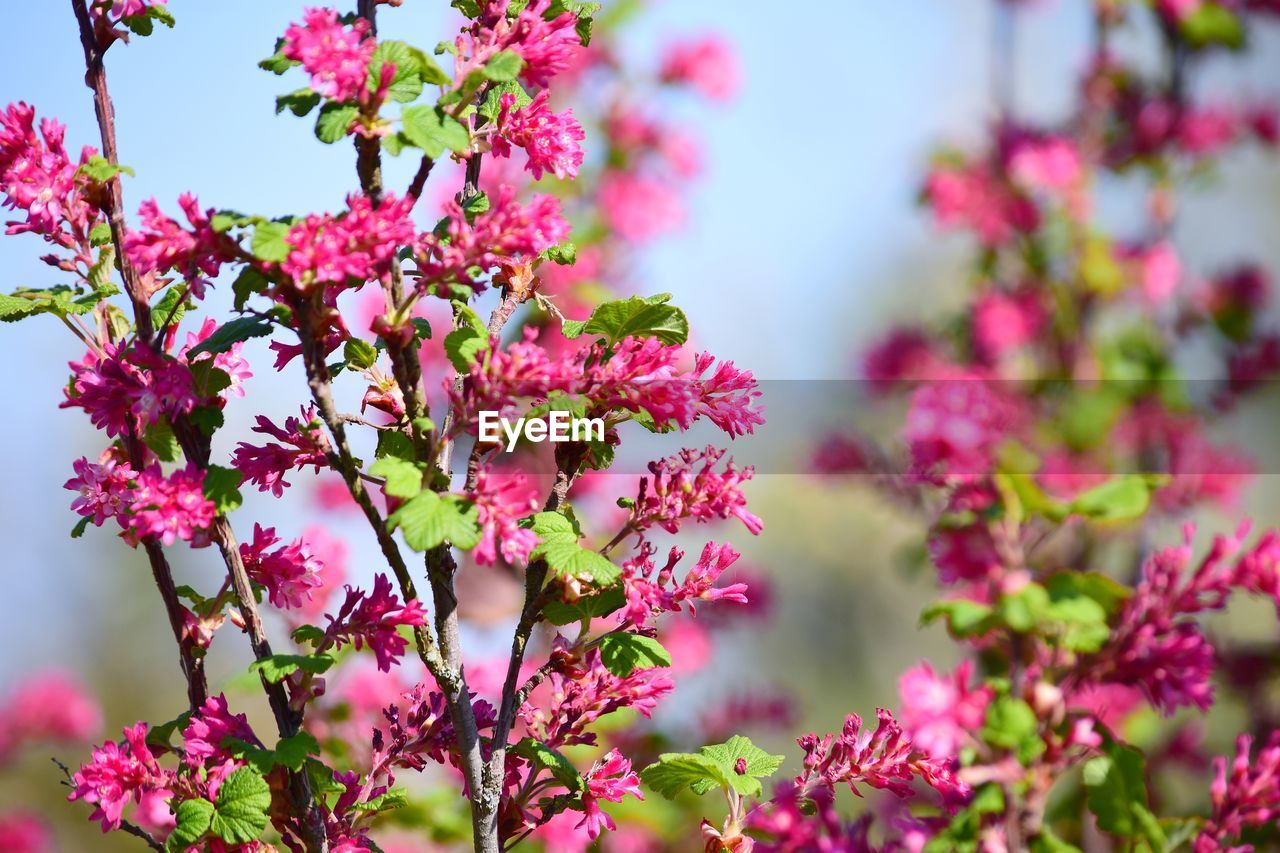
{"x": 377, "y": 704}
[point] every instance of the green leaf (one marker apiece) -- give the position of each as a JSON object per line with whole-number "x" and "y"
{"x": 642, "y": 317}
{"x": 395, "y": 443}
{"x": 757, "y": 763}
{"x": 1211, "y": 23}
{"x": 292, "y": 751}
{"x": 565, "y": 254}
{"x": 404, "y": 478}
{"x": 277, "y": 668}
{"x": 143, "y": 23}
{"x": 194, "y": 819}
{"x": 221, "y": 485}
{"x": 244, "y": 799}
{"x": 587, "y": 607}
{"x": 100, "y": 169}
{"x": 1116, "y": 793}
{"x": 475, "y": 205}
{"x": 547, "y": 758}
{"x": 406, "y": 82}
{"x": 429, "y": 520}
{"x": 1011, "y": 724}
{"x": 209, "y": 380}
{"x": 277, "y": 63}
{"x": 299, "y": 103}
{"x": 434, "y": 131}
{"x": 964, "y": 618}
{"x": 160, "y": 438}
{"x": 1119, "y": 499}
{"x": 673, "y": 772}
{"x": 503, "y": 67}
{"x": 171, "y": 307}
{"x": 249, "y": 282}
{"x": 359, "y": 354}
{"x": 491, "y": 107}
{"x": 81, "y": 526}
{"x": 308, "y": 634}
{"x": 395, "y": 798}
{"x": 583, "y": 10}
{"x": 1024, "y": 609}
{"x": 229, "y": 334}
{"x": 161, "y": 735}
{"x": 269, "y": 242}
{"x": 321, "y": 778}
{"x": 100, "y": 234}
{"x": 468, "y": 340}
{"x": 571, "y": 560}
{"x": 623, "y": 654}
{"x": 334, "y": 120}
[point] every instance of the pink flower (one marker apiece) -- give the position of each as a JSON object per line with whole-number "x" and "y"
{"x": 1160, "y": 270}
{"x": 372, "y": 619}
{"x": 331, "y": 554}
{"x": 502, "y": 500}
{"x": 39, "y": 178}
{"x": 1052, "y": 164}
{"x": 1244, "y": 795}
{"x": 130, "y": 387}
{"x": 885, "y": 758}
{"x": 161, "y": 245}
{"x": 546, "y": 46}
{"x": 727, "y": 397}
{"x": 964, "y": 552}
{"x": 939, "y": 712}
{"x": 104, "y": 489}
{"x": 303, "y": 444}
{"x": 549, "y": 139}
{"x": 204, "y": 738}
{"x": 355, "y": 246}
{"x": 637, "y": 207}
{"x": 230, "y": 361}
{"x": 970, "y": 196}
{"x": 1206, "y": 130}
{"x": 116, "y": 10}
{"x": 1003, "y": 322}
{"x": 707, "y": 64}
{"x": 289, "y": 573}
{"x": 953, "y": 428}
{"x": 904, "y": 355}
{"x": 688, "y": 486}
{"x": 50, "y": 706}
{"x": 649, "y": 595}
{"x": 116, "y": 774}
{"x": 172, "y": 507}
{"x": 336, "y": 56}
{"x": 611, "y": 778}
{"x": 21, "y": 832}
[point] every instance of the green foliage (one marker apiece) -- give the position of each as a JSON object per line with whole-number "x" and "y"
{"x": 712, "y": 767}
{"x": 359, "y": 354}
{"x": 434, "y": 131}
{"x": 143, "y": 23}
{"x": 160, "y": 438}
{"x": 240, "y": 815}
{"x": 299, "y": 103}
{"x": 277, "y": 668}
{"x": 61, "y": 301}
{"x": 269, "y": 243}
{"x": 642, "y": 317}
{"x": 559, "y": 547}
{"x": 546, "y": 758}
{"x": 492, "y": 104}
{"x": 334, "y": 120}
{"x": 222, "y": 486}
{"x": 964, "y": 618}
{"x": 429, "y": 520}
{"x": 595, "y": 606}
{"x": 1116, "y": 789}
{"x": 229, "y": 334}
{"x": 100, "y": 169}
{"x": 469, "y": 339}
{"x": 503, "y": 67}
{"x": 194, "y": 818}
{"x": 624, "y": 653}
{"x": 1011, "y": 724}
{"x": 1212, "y": 23}
{"x": 292, "y": 751}
{"x": 403, "y": 476}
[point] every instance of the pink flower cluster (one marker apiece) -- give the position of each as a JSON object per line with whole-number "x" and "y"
{"x": 502, "y": 500}
{"x": 940, "y": 712}
{"x": 639, "y": 207}
{"x": 506, "y": 234}
{"x": 357, "y": 245}
{"x": 105, "y": 489}
{"x": 196, "y": 251}
{"x": 49, "y": 706}
{"x": 953, "y": 428}
{"x": 39, "y": 178}
{"x": 611, "y": 778}
{"x": 372, "y": 619}
{"x": 547, "y": 47}
{"x": 302, "y": 444}
{"x": 170, "y": 507}
{"x": 649, "y": 595}
{"x": 289, "y": 573}
{"x": 549, "y": 139}
{"x": 204, "y": 738}
{"x": 688, "y": 486}
{"x": 336, "y": 56}
{"x": 707, "y": 63}
{"x": 884, "y": 758}
{"x": 116, "y": 774}
{"x": 1245, "y": 794}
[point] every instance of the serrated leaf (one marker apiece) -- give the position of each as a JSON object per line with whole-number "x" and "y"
{"x": 292, "y": 751}
{"x": 571, "y": 560}
{"x": 406, "y": 81}
{"x": 491, "y": 107}
{"x": 240, "y": 815}
{"x": 359, "y": 354}
{"x": 100, "y": 169}
{"x": 404, "y": 478}
{"x": 334, "y": 120}
{"x": 429, "y": 520}
{"x": 299, "y": 103}
{"x": 468, "y": 340}
{"x": 1119, "y": 499}
{"x": 503, "y": 67}
{"x": 674, "y": 772}
{"x": 269, "y": 243}
{"x": 550, "y": 759}
{"x": 594, "y": 606}
{"x": 229, "y": 334}
{"x": 194, "y": 818}
{"x": 1117, "y": 793}
{"x": 222, "y": 486}
{"x": 623, "y": 654}
{"x": 434, "y": 131}
{"x": 964, "y": 618}
{"x": 160, "y": 438}
{"x": 277, "y": 668}
{"x": 644, "y": 317}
